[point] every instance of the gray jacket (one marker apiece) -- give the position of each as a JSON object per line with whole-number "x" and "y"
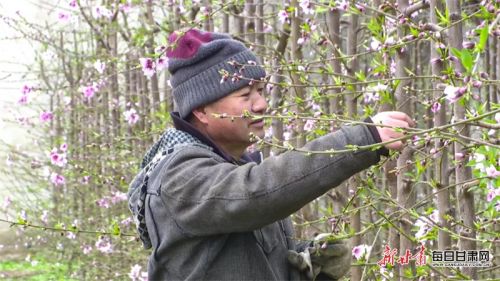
{"x": 210, "y": 218}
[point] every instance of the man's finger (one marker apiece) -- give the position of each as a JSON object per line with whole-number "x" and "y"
{"x": 396, "y": 123}
{"x": 402, "y": 116}
{"x": 398, "y": 145}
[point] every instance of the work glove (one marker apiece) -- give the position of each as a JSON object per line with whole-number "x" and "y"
{"x": 330, "y": 259}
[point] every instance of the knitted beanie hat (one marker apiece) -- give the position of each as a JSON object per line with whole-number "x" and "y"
{"x": 207, "y": 66}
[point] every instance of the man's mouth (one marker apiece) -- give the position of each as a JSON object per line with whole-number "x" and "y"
{"x": 259, "y": 122}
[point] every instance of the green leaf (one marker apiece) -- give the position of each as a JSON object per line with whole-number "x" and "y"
{"x": 483, "y": 38}
{"x": 415, "y": 32}
{"x": 444, "y": 20}
{"x": 456, "y": 52}
{"x": 115, "y": 228}
{"x": 360, "y": 75}
{"x": 467, "y": 60}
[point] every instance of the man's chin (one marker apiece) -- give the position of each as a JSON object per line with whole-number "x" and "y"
{"x": 258, "y": 134}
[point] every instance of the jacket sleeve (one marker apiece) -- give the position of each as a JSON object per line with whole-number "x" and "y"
{"x": 207, "y": 195}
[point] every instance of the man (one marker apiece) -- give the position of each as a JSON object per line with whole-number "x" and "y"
{"x": 212, "y": 212}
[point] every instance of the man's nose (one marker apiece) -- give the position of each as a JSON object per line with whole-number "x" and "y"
{"x": 260, "y": 104}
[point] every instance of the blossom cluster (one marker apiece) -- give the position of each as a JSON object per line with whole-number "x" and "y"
{"x": 425, "y": 225}
{"x": 58, "y": 158}
{"x": 361, "y": 251}
{"x": 151, "y": 66}
{"x": 108, "y": 201}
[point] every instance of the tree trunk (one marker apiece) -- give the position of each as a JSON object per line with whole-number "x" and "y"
{"x": 441, "y": 163}
{"x": 352, "y": 113}
{"x": 462, "y": 172}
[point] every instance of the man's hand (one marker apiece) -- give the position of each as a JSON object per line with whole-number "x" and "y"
{"x": 332, "y": 260}
{"x": 394, "y": 119}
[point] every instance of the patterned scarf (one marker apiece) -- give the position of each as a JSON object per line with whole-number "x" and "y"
{"x": 167, "y": 143}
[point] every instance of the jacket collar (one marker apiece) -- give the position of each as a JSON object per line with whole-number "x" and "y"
{"x": 183, "y": 125}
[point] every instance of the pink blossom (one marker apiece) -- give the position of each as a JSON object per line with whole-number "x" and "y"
{"x": 415, "y": 139}
{"x": 306, "y": 7}
{"x": 85, "y": 180}
{"x": 126, "y": 8}
{"x": 63, "y": 17}
{"x": 392, "y": 68}
{"x": 361, "y": 250}
{"x": 148, "y": 66}
{"x": 58, "y": 159}
{"x": 459, "y": 156}
{"x": 131, "y": 116}
{"x": 452, "y": 93}
{"x": 491, "y": 195}
{"x": 23, "y": 100}
{"x": 6, "y": 203}
{"x": 492, "y": 172}
{"x": 26, "y": 89}
{"x": 101, "y": 11}
{"x": 468, "y": 45}
{"x": 375, "y": 44}
{"x": 425, "y": 224}
{"x": 316, "y": 109}
{"x": 301, "y": 40}
{"x": 126, "y": 222}
{"x": 371, "y": 97}
{"x": 436, "y": 60}
{"x": 103, "y": 203}
{"x": 86, "y": 249}
{"x": 57, "y": 179}
{"x": 283, "y": 16}
{"x": 99, "y": 66}
{"x": 23, "y": 215}
{"x": 118, "y": 197}
{"x": 135, "y": 272}
{"x": 71, "y": 235}
{"x": 46, "y": 116}
{"x": 344, "y": 5}
{"x": 360, "y": 8}
{"x": 45, "y": 216}
{"x": 390, "y": 41}
{"x": 436, "y": 106}
{"x": 268, "y": 28}
{"x": 89, "y": 90}
{"x": 160, "y": 50}
{"x": 64, "y": 147}
{"x": 204, "y": 10}
{"x": 477, "y": 84}
{"x": 73, "y": 3}
{"x": 309, "y": 125}
{"x": 161, "y": 63}
{"x": 104, "y": 245}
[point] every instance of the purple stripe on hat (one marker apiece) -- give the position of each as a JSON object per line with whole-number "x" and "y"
{"x": 187, "y": 46}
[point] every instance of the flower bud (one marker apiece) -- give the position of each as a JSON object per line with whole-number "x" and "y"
{"x": 468, "y": 45}
{"x": 490, "y": 7}
{"x": 477, "y": 84}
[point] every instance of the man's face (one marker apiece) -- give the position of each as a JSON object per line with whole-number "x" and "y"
{"x": 235, "y": 132}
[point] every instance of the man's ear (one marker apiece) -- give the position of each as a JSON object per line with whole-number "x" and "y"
{"x": 201, "y": 114}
